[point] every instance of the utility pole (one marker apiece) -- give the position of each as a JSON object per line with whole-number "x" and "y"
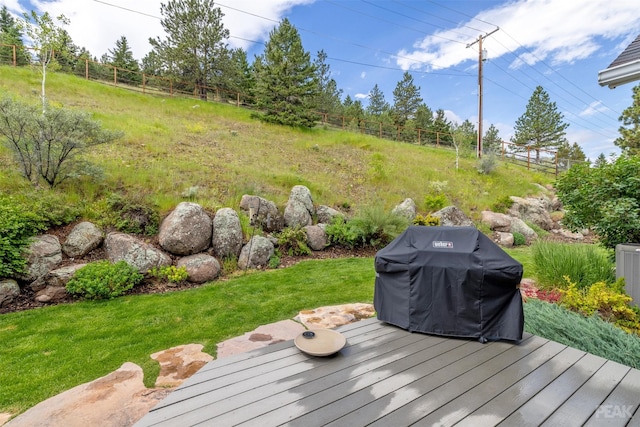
{"x": 482, "y": 56}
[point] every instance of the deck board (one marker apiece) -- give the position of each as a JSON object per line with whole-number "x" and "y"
{"x": 388, "y": 376}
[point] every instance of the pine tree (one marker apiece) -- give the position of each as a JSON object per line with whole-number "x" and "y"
{"x": 424, "y": 122}
{"x": 442, "y": 129}
{"x": 568, "y": 155}
{"x": 406, "y": 99}
{"x": 287, "y": 86}
{"x": 541, "y": 126}
{"x": 491, "y": 142}
{"x": 629, "y": 139}
{"x": 195, "y": 47}
{"x": 10, "y": 36}
{"x": 377, "y": 104}
{"x": 467, "y": 135}
{"x": 329, "y": 97}
{"x": 601, "y": 161}
{"x": 122, "y": 58}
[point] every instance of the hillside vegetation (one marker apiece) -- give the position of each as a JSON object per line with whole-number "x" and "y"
{"x": 176, "y": 149}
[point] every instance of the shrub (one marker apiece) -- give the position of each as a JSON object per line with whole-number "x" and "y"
{"x": 372, "y": 227}
{"x": 274, "y": 261}
{"x": 519, "y": 239}
{"x": 487, "y": 164}
{"x": 426, "y": 220}
{"x": 229, "y": 265}
{"x": 171, "y": 273}
{"x": 435, "y": 198}
{"x": 293, "y": 241}
{"x": 606, "y": 300}
{"x": 18, "y": 224}
{"x": 582, "y": 264}
{"x": 502, "y": 205}
{"x": 103, "y": 280}
{"x": 133, "y": 215}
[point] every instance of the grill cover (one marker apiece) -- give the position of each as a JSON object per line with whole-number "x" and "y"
{"x": 451, "y": 281}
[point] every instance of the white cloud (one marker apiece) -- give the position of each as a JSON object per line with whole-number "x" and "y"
{"x": 594, "y": 108}
{"x": 363, "y": 74}
{"x": 557, "y": 31}
{"x": 361, "y": 96}
{"x": 96, "y": 25}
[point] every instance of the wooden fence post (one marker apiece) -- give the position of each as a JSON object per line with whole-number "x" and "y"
{"x": 115, "y": 76}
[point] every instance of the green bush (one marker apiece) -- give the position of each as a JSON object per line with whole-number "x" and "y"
{"x": 502, "y": 205}
{"x": 372, "y": 227}
{"x": 171, "y": 273}
{"x": 293, "y": 241}
{"x": 133, "y": 215}
{"x": 103, "y": 280}
{"x": 18, "y": 224}
{"x": 426, "y": 220}
{"x": 590, "y": 334}
{"x": 519, "y": 239}
{"x": 583, "y": 264}
{"x": 487, "y": 164}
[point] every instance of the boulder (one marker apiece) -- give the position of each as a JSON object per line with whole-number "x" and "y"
{"x": 496, "y": 221}
{"x": 84, "y": 238}
{"x": 325, "y": 214}
{"x": 200, "y": 267}
{"x": 9, "y": 289}
{"x": 533, "y": 210}
{"x": 335, "y": 315}
{"x": 503, "y": 239}
{"x": 123, "y": 247}
{"x": 263, "y": 336}
{"x": 45, "y": 254}
{"x": 317, "y": 238}
{"x": 519, "y": 226}
{"x": 453, "y": 217}
{"x": 52, "y": 287}
{"x": 299, "y": 210}
{"x": 227, "y": 234}
{"x": 406, "y": 209}
{"x": 262, "y": 213}
{"x": 256, "y": 253}
{"x": 186, "y": 230}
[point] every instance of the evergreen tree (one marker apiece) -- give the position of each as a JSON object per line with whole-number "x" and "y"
{"x": 122, "y": 58}
{"x": 67, "y": 53}
{"x": 286, "y": 81}
{"x": 424, "y": 122}
{"x": 629, "y": 139}
{"x": 10, "y": 36}
{"x": 353, "y": 113}
{"x": 541, "y": 126}
{"x": 600, "y": 161}
{"x": 442, "y": 129}
{"x": 195, "y": 47}
{"x": 377, "y": 104}
{"x": 491, "y": 141}
{"x": 239, "y": 79}
{"x": 84, "y": 61}
{"x": 152, "y": 64}
{"x": 568, "y": 155}
{"x": 329, "y": 97}
{"x": 406, "y": 99}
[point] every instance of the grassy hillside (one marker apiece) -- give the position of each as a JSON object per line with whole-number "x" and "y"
{"x": 214, "y": 153}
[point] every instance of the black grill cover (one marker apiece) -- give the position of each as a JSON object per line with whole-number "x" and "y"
{"x": 452, "y": 281}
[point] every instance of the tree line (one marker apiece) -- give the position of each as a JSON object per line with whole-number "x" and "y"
{"x": 286, "y": 85}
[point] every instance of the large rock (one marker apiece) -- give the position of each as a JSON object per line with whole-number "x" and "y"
{"x": 519, "y": 226}
{"x": 263, "y": 336}
{"x": 496, "y": 221}
{"x": 452, "y": 216}
{"x": 299, "y": 210}
{"x": 52, "y": 287}
{"x": 118, "y": 399}
{"x": 317, "y": 238}
{"x": 9, "y": 289}
{"x": 504, "y": 239}
{"x": 325, "y": 214}
{"x": 335, "y": 315}
{"x": 533, "y": 210}
{"x": 200, "y": 267}
{"x": 186, "y": 230}
{"x": 142, "y": 256}
{"x": 406, "y": 209}
{"x": 84, "y": 238}
{"x": 45, "y": 254}
{"x": 262, "y": 213}
{"x": 256, "y": 253}
{"x": 227, "y": 234}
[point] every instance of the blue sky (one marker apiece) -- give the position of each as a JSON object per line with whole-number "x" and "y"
{"x": 557, "y": 44}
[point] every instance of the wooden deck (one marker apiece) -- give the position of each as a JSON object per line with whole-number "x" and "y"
{"x": 386, "y": 376}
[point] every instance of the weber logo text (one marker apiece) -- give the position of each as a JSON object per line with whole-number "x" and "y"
{"x": 441, "y": 244}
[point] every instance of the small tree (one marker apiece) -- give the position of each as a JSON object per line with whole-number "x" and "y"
{"x": 491, "y": 142}
{"x": 541, "y": 126}
{"x": 406, "y": 99}
{"x": 48, "y": 40}
{"x": 48, "y": 145}
{"x": 629, "y": 139}
{"x": 121, "y": 57}
{"x": 569, "y": 155}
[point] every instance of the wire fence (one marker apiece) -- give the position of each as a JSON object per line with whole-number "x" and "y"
{"x": 541, "y": 160}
